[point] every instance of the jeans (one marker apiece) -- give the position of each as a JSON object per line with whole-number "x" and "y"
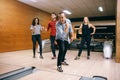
{"x": 52, "y": 39}
{"x": 37, "y": 38}
{"x": 83, "y": 40}
{"x": 63, "y": 45}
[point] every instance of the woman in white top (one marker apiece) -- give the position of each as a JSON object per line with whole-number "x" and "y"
{"x": 36, "y": 29}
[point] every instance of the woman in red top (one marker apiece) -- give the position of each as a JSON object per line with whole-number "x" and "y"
{"x": 51, "y": 26}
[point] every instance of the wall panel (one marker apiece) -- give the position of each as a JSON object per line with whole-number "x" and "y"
{"x": 15, "y": 21}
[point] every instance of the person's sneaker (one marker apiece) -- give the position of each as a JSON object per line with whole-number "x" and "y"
{"x": 59, "y": 68}
{"x": 53, "y": 57}
{"x": 41, "y": 57}
{"x": 76, "y": 58}
{"x": 88, "y": 57}
{"x": 65, "y": 59}
{"x": 33, "y": 56}
{"x": 65, "y": 63}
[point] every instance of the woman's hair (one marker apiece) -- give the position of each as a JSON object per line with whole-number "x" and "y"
{"x": 87, "y": 19}
{"x": 33, "y": 22}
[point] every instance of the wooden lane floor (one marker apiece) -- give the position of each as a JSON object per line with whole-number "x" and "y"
{"x": 46, "y": 68}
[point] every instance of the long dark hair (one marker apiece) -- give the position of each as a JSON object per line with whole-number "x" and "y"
{"x": 33, "y": 22}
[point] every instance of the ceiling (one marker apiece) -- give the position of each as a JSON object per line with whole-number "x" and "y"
{"x": 79, "y": 8}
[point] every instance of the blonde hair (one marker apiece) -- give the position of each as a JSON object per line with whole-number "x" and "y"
{"x": 88, "y": 22}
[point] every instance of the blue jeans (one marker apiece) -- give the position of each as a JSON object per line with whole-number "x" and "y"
{"x": 37, "y": 38}
{"x": 63, "y": 46}
{"x": 52, "y": 39}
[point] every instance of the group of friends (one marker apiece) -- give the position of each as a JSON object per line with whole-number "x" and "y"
{"x": 61, "y": 34}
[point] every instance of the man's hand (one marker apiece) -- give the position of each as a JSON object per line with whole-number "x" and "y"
{"x": 71, "y": 39}
{"x": 43, "y": 28}
{"x": 66, "y": 27}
